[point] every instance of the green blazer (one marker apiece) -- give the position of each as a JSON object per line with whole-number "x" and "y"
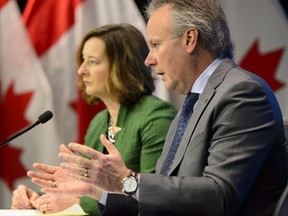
{"x": 144, "y": 125}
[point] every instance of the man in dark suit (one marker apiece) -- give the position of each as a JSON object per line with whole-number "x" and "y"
{"x": 230, "y": 159}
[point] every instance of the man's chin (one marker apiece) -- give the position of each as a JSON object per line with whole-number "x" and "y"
{"x": 169, "y": 86}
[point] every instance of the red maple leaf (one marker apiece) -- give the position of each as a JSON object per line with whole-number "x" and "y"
{"x": 263, "y": 64}
{"x": 12, "y": 108}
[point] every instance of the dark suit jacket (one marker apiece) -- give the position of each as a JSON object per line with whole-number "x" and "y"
{"x": 231, "y": 160}
{"x": 286, "y": 126}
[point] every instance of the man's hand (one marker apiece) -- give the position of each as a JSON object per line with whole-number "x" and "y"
{"x": 104, "y": 171}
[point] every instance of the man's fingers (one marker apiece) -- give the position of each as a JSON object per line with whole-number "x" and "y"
{"x": 73, "y": 159}
{"x": 51, "y": 190}
{"x": 108, "y": 145}
{"x": 63, "y": 148}
{"x": 41, "y": 182}
{"x": 84, "y": 150}
{"x": 45, "y": 168}
{"x": 44, "y": 176}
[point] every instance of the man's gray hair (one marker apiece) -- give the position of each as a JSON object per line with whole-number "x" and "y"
{"x": 207, "y": 16}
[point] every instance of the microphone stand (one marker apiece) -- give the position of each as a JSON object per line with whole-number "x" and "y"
{"x": 19, "y": 133}
{"x": 43, "y": 118}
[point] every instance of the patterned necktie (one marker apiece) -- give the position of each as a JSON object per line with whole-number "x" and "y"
{"x": 185, "y": 115}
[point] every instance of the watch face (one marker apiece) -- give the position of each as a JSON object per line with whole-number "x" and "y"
{"x": 130, "y": 185}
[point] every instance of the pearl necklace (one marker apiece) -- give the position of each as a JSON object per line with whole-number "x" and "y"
{"x": 111, "y": 136}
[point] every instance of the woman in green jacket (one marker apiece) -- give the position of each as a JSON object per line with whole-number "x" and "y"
{"x": 111, "y": 69}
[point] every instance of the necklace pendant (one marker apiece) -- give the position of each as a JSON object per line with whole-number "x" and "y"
{"x": 111, "y": 136}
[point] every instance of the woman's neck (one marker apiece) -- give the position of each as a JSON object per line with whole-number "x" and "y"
{"x": 113, "y": 109}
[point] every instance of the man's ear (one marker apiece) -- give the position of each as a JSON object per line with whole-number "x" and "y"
{"x": 191, "y": 37}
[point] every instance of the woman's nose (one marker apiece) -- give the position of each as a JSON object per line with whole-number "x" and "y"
{"x": 82, "y": 70}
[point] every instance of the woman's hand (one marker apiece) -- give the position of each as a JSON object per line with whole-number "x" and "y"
{"x": 52, "y": 203}
{"x": 23, "y": 198}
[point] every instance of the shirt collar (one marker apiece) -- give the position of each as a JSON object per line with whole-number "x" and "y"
{"x": 201, "y": 81}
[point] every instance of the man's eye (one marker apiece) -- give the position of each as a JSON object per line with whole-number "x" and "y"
{"x": 155, "y": 45}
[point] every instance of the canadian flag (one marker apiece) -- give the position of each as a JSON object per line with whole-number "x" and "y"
{"x": 259, "y": 31}
{"x": 38, "y": 73}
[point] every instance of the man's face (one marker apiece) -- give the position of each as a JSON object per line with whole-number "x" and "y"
{"x": 168, "y": 56}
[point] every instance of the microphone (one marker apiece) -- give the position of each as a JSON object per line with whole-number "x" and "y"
{"x": 43, "y": 118}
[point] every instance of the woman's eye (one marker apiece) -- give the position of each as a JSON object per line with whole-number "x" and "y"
{"x": 92, "y": 62}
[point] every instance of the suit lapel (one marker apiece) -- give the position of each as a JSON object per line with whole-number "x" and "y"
{"x": 168, "y": 142}
{"x": 204, "y": 99}
{"x": 202, "y": 103}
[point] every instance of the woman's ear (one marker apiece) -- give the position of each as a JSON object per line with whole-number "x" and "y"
{"x": 191, "y": 37}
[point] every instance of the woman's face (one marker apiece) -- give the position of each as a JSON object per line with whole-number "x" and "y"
{"x": 95, "y": 68}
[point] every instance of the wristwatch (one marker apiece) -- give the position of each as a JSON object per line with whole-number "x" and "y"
{"x": 130, "y": 184}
